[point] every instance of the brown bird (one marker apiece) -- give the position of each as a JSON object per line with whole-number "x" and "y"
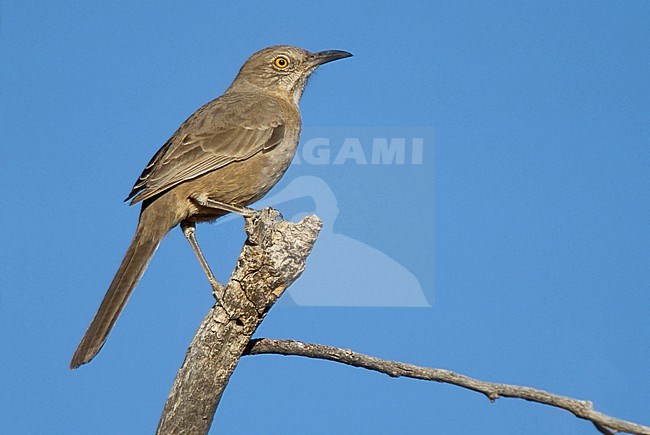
{"x": 225, "y": 156}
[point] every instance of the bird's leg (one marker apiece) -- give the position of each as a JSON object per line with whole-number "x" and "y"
{"x": 213, "y": 203}
{"x": 189, "y": 228}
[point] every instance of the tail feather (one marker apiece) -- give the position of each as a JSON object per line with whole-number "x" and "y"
{"x": 151, "y": 229}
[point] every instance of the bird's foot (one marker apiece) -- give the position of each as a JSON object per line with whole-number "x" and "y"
{"x": 189, "y": 230}
{"x": 231, "y": 208}
{"x": 218, "y": 290}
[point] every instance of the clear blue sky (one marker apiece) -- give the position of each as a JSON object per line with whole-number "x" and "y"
{"x": 530, "y": 241}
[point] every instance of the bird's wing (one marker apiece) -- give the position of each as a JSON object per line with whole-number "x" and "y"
{"x": 210, "y": 139}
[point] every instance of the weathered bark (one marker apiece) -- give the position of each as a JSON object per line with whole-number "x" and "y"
{"x": 272, "y": 258}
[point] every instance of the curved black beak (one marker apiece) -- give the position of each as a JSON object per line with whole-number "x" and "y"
{"x": 328, "y": 56}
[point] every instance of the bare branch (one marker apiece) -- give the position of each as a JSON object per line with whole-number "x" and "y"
{"x": 580, "y": 408}
{"x": 272, "y": 258}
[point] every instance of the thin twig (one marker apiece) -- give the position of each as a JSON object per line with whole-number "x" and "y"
{"x": 580, "y": 408}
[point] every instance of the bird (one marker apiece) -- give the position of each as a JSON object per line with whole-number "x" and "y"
{"x": 225, "y": 156}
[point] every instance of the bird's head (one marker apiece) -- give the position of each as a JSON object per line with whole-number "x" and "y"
{"x": 283, "y": 69}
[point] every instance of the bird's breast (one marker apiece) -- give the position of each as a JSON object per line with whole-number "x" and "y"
{"x": 242, "y": 182}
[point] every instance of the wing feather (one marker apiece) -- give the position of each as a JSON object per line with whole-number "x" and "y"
{"x": 204, "y": 143}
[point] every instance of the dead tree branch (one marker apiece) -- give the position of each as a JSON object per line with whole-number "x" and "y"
{"x": 580, "y": 408}
{"x": 272, "y": 258}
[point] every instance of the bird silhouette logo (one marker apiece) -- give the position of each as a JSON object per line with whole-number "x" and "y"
{"x": 344, "y": 271}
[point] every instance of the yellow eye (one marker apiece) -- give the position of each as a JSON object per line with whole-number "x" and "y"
{"x": 281, "y": 62}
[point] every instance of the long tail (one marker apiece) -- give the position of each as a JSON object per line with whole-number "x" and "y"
{"x": 154, "y": 224}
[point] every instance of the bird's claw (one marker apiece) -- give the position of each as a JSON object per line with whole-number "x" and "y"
{"x": 218, "y": 290}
